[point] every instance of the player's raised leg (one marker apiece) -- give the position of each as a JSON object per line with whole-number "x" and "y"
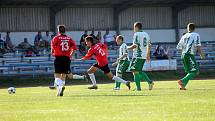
{"x": 115, "y": 78}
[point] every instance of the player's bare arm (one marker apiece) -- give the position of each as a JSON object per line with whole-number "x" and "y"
{"x": 132, "y": 47}
{"x": 148, "y": 52}
{"x": 199, "y": 49}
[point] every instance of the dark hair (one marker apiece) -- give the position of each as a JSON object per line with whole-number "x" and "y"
{"x": 138, "y": 25}
{"x": 61, "y": 29}
{"x": 191, "y": 26}
{"x": 120, "y": 37}
{"x": 90, "y": 39}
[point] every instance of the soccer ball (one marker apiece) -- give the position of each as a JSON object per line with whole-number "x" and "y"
{"x": 11, "y": 90}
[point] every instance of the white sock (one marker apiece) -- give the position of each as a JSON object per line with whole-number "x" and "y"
{"x": 59, "y": 82}
{"x": 78, "y": 77}
{"x": 119, "y": 79}
{"x": 63, "y": 83}
{"x": 93, "y": 79}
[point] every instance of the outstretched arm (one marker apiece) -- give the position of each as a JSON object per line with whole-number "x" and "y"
{"x": 132, "y": 47}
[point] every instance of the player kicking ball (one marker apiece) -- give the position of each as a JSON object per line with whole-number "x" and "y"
{"x": 141, "y": 52}
{"x": 122, "y": 62}
{"x": 187, "y": 44}
{"x": 99, "y": 51}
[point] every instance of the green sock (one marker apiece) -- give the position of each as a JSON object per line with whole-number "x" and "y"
{"x": 137, "y": 80}
{"x": 188, "y": 77}
{"x": 143, "y": 76}
{"x": 117, "y": 84}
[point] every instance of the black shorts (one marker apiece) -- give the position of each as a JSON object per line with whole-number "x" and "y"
{"x": 62, "y": 65}
{"x": 105, "y": 68}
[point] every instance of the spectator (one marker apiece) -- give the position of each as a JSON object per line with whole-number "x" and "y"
{"x": 108, "y": 38}
{"x": 47, "y": 39}
{"x": 83, "y": 36}
{"x": 160, "y": 52}
{"x": 9, "y": 44}
{"x": 1, "y": 42}
{"x": 53, "y": 35}
{"x": 82, "y": 46}
{"x": 37, "y": 39}
{"x": 24, "y": 45}
{"x": 92, "y": 34}
{"x": 99, "y": 37}
{"x": 28, "y": 49}
{"x": 2, "y": 47}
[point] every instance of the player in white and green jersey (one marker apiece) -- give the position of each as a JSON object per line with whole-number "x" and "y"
{"x": 122, "y": 61}
{"x": 141, "y": 52}
{"x": 187, "y": 44}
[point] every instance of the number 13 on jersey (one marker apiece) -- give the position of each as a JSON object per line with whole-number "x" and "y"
{"x": 65, "y": 45}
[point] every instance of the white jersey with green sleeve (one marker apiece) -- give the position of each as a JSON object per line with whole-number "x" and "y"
{"x": 141, "y": 39}
{"x": 188, "y": 43}
{"x": 123, "y": 50}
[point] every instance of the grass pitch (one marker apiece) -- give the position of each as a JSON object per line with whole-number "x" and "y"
{"x": 164, "y": 103}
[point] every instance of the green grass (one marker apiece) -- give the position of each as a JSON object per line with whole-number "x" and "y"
{"x": 164, "y": 103}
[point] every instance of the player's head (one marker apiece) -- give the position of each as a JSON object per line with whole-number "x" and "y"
{"x": 89, "y": 41}
{"x": 137, "y": 26}
{"x": 61, "y": 29}
{"x": 119, "y": 39}
{"x": 191, "y": 27}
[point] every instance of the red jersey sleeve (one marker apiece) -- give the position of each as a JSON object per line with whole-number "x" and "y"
{"x": 54, "y": 44}
{"x": 89, "y": 54}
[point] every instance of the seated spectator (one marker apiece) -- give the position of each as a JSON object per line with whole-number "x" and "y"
{"x": 2, "y": 47}
{"x": 9, "y": 44}
{"x": 37, "y": 39}
{"x": 47, "y": 39}
{"x": 53, "y": 35}
{"x": 82, "y": 46}
{"x": 28, "y": 49}
{"x": 1, "y": 42}
{"x": 99, "y": 37}
{"x": 25, "y": 45}
{"x": 160, "y": 52}
{"x": 83, "y": 36}
{"x": 92, "y": 34}
{"x": 109, "y": 39}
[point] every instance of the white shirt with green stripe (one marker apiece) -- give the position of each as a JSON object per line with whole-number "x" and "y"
{"x": 188, "y": 43}
{"x": 123, "y": 50}
{"x": 141, "y": 39}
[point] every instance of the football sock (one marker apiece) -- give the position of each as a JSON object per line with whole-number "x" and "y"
{"x": 92, "y": 78}
{"x": 117, "y": 83}
{"x": 119, "y": 79}
{"x": 56, "y": 81}
{"x": 143, "y": 76}
{"x": 77, "y": 77}
{"x": 188, "y": 77}
{"x": 137, "y": 81}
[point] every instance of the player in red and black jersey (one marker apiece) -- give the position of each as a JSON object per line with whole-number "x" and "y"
{"x": 63, "y": 48}
{"x": 100, "y": 52}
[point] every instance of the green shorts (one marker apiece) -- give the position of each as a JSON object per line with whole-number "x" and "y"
{"x": 136, "y": 64}
{"x": 122, "y": 66}
{"x": 190, "y": 64}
